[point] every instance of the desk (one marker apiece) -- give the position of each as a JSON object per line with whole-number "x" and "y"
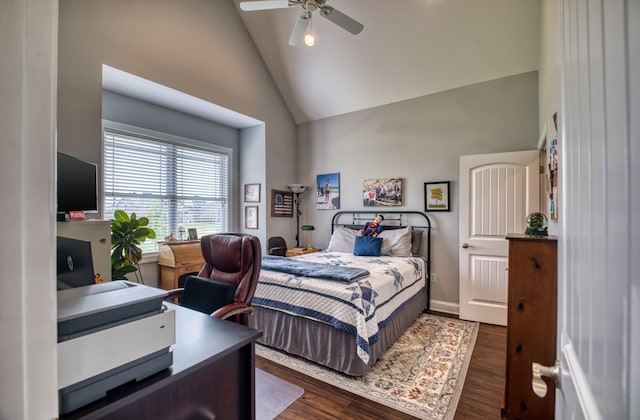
{"x": 177, "y": 259}
{"x": 213, "y": 372}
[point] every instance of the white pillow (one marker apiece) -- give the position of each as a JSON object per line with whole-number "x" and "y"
{"x": 397, "y": 242}
{"x": 342, "y": 240}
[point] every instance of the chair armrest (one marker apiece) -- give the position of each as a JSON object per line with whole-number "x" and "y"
{"x": 174, "y": 295}
{"x": 232, "y": 309}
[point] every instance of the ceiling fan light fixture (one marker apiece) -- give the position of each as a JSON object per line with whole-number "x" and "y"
{"x": 309, "y": 36}
{"x": 300, "y": 32}
{"x": 309, "y": 39}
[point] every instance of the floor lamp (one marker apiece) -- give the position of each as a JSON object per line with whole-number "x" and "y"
{"x": 297, "y": 189}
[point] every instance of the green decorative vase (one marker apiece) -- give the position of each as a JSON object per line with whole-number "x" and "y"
{"x": 536, "y": 225}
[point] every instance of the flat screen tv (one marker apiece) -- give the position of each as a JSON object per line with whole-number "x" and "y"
{"x": 77, "y": 185}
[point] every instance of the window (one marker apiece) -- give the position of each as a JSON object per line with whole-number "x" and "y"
{"x": 167, "y": 179}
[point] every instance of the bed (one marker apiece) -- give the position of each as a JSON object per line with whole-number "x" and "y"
{"x": 347, "y": 319}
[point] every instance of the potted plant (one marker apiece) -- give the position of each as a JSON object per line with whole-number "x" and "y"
{"x": 127, "y": 233}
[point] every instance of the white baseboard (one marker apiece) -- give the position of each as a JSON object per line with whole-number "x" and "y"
{"x": 446, "y": 307}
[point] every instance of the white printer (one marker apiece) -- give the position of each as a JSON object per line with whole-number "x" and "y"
{"x": 109, "y": 334}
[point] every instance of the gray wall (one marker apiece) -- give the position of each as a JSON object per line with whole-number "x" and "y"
{"x": 201, "y": 48}
{"x": 419, "y": 140}
{"x": 198, "y": 47}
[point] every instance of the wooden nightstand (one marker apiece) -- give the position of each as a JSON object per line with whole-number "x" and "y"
{"x": 294, "y": 252}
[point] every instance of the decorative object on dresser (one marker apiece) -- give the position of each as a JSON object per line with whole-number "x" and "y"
{"x": 536, "y": 225}
{"x": 531, "y": 325}
{"x": 177, "y": 260}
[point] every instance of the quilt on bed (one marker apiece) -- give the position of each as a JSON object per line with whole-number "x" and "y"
{"x": 360, "y": 307}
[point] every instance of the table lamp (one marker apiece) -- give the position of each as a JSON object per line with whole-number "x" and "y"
{"x": 309, "y": 229}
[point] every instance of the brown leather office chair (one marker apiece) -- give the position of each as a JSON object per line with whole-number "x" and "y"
{"x": 225, "y": 285}
{"x": 276, "y": 245}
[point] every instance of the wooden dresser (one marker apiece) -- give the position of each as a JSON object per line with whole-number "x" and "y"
{"x": 176, "y": 259}
{"x": 531, "y": 324}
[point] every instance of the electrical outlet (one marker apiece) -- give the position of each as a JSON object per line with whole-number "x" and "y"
{"x": 434, "y": 278}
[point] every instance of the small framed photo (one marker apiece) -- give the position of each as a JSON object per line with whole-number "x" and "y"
{"x": 281, "y": 203}
{"x": 251, "y": 193}
{"x": 436, "y": 196}
{"x": 251, "y": 217}
{"x": 193, "y": 234}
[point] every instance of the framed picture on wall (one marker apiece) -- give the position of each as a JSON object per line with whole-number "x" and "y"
{"x": 328, "y": 191}
{"x": 436, "y": 196}
{"x": 382, "y": 192}
{"x": 251, "y": 217}
{"x": 251, "y": 193}
{"x": 281, "y": 203}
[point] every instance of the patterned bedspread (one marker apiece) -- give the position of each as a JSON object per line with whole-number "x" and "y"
{"x": 359, "y": 308}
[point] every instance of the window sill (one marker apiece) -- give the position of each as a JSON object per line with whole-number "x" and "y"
{"x": 149, "y": 258}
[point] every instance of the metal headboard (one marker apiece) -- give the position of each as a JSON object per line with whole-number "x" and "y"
{"x": 392, "y": 220}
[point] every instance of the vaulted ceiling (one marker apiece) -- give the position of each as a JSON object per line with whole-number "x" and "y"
{"x": 408, "y": 49}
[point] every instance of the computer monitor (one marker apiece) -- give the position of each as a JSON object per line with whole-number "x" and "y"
{"x": 75, "y": 263}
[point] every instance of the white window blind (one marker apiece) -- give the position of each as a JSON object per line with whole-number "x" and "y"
{"x": 176, "y": 186}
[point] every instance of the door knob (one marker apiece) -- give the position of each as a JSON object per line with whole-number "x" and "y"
{"x": 465, "y": 245}
{"x": 538, "y": 384}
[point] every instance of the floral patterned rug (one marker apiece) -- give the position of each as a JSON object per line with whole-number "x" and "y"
{"x": 422, "y": 374}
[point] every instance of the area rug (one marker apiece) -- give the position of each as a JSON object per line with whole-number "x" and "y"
{"x": 422, "y": 374}
{"x": 273, "y": 395}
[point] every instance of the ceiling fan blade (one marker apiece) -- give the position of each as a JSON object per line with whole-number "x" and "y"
{"x": 249, "y": 6}
{"x": 342, "y": 20}
{"x": 300, "y": 29}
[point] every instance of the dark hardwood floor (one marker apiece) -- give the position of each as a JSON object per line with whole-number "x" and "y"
{"x": 481, "y": 396}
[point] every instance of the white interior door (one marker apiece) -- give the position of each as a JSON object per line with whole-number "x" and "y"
{"x": 497, "y": 192}
{"x": 599, "y": 241}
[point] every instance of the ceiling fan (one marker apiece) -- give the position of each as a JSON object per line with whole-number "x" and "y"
{"x": 308, "y": 7}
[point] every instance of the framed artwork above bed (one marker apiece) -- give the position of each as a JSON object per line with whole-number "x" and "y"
{"x": 328, "y": 193}
{"x": 382, "y": 192}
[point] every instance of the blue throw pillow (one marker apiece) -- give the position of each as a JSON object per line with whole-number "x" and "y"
{"x": 367, "y": 246}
